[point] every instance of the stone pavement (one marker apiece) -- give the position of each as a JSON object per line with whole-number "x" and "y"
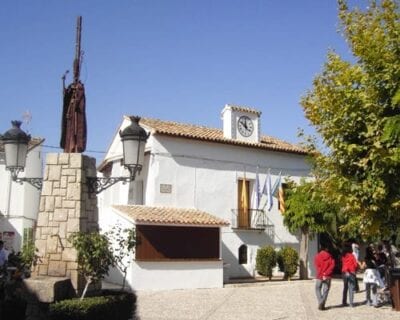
{"x": 273, "y": 300}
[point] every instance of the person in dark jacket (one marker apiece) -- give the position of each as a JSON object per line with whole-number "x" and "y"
{"x": 324, "y": 265}
{"x": 349, "y": 268}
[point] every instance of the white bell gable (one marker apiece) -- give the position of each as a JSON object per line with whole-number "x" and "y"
{"x": 241, "y": 123}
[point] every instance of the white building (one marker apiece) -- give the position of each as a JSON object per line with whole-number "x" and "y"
{"x": 194, "y": 203}
{"x": 19, "y": 203}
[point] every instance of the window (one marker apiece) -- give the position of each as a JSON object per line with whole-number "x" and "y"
{"x": 243, "y": 254}
{"x": 28, "y": 236}
{"x": 168, "y": 243}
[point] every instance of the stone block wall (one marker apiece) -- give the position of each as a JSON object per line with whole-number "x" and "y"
{"x": 65, "y": 207}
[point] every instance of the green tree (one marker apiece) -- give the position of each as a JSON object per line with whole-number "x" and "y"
{"x": 308, "y": 211}
{"x": 355, "y": 107}
{"x": 95, "y": 256}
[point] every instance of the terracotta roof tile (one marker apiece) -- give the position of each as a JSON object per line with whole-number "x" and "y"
{"x": 169, "y": 216}
{"x": 244, "y": 109}
{"x": 215, "y": 135}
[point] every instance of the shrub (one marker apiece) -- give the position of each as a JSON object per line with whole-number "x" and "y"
{"x": 95, "y": 256}
{"x": 29, "y": 255}
{"x": 266, "y": 261}
{"x": 288, "y": 261}
{"x": 115, "y": 306}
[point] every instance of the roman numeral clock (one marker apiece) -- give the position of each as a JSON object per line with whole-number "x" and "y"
{"x": 245, "y": 126}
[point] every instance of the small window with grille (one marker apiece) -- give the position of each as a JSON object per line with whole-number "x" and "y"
{"x": 243, "y": 254}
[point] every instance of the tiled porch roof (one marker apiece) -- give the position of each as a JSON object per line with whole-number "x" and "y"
{"x": 169, "y": 216}
{"x": 216, "y": 135}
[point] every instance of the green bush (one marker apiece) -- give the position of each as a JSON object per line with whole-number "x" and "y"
{"x": 266, "y": 261}
{"x": 113, "y": 305}
{"x": 288, "y": 261}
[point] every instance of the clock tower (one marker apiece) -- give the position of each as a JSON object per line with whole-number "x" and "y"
{"x": 241, "y": 123}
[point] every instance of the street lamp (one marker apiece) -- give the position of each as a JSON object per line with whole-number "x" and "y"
{"x": 15, "y": 143}
{"x": 133, "y": 139}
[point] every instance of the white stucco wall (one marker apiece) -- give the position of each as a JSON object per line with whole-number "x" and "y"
{"x": 205, "y": 176}
{"x": 166, "y": 275}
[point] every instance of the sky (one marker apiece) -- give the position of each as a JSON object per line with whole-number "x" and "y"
{"x": 176, "y": 60}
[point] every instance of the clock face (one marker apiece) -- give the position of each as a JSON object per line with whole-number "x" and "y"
{"x": 245, "y": 126}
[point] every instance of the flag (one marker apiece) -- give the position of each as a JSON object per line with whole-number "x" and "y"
{"x": 267, "y": 191}
{"x": 277, "y": 184}
{"x": 257, "y": 187}
{"x": 244, "y": 206}
{"x": 244, "y": 200}
{"x": 281, "y": 198}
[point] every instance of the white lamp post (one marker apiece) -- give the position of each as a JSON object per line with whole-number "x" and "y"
{"x": 15, "y": 143}
{"x": 133, "y": 139}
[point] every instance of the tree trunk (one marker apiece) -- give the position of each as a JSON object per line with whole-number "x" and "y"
{"x": 88, "y": 281}
{"x": 304, "y": 254}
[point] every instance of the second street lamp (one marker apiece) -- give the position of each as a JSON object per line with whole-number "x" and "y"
{"x": 133, "y": 139}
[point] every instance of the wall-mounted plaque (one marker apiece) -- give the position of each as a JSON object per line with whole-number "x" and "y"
{"x": 165, "y": 188}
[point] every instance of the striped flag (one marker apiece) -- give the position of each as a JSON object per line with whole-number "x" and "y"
{"x": 258, "y": 193}
{"x": 278, "y": 192}
{"x": 277, "y": 184}
{"x": 244, "y": 218}
{"x": 267, "y": 191}
{"x": 281, "y": 199}
{"x": 244, "y": 200}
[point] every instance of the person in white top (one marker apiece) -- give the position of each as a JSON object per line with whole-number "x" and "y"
{"x": 3, "y": 255}
{"x": 356, "y": 254}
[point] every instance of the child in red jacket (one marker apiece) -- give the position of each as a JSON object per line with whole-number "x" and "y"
{"x": 324, "y": 265}
{"x": 349, "y": 268}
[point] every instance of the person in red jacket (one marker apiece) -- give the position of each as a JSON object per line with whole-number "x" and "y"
{"x": 349, "y": 268}
{"x": 324, "y": 265}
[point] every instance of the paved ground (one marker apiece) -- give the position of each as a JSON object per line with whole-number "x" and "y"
{"x": 267, "y": 300}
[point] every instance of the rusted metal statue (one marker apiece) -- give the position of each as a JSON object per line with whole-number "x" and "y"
{"x": 73, "y": 123}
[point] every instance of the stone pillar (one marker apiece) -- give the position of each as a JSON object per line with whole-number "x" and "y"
{"x": 65, "y": 207}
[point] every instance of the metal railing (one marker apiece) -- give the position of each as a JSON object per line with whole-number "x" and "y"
{"x": 249, "y": 219}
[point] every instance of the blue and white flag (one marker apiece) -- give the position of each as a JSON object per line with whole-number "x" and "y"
{"x": 267, "y": 191}
{"x": 277, "y": 184}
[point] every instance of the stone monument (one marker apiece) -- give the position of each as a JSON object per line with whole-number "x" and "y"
{"x": 65, "y": 207}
